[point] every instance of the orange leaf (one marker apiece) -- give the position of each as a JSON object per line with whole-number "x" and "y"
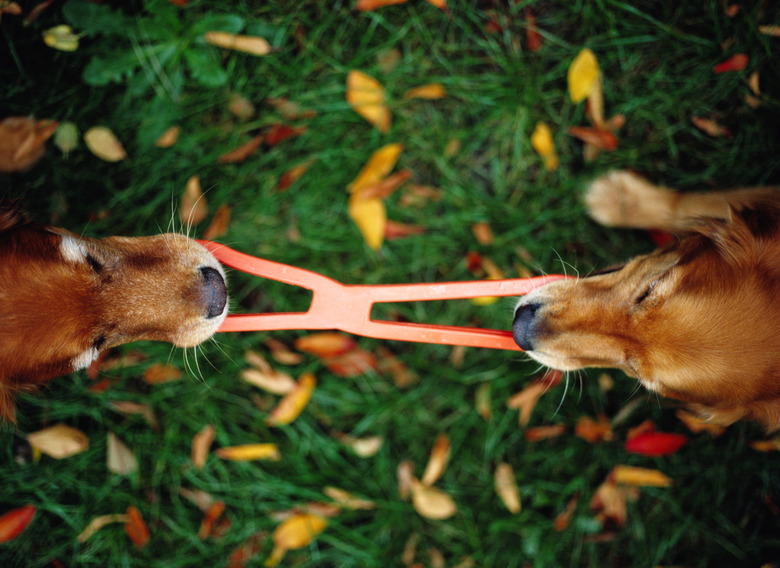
{"x": 219, "y": 224}
{"x": 158, "y": 373}
{"x": 13, "y": 523}
{"x": 405, "y": 473}
{"x": 369, "y": 5}
{"x": 247, "y": 551}
{"x": 441, "y": 4}
{"x": 697, "y": 425}
{"x": 193, "y": 204}
{"x": 527, "y": 398}
{"x": 736, "y": 62}
{"x": 639, "y": 477}
{"x": 272, "y": 381}
{"x": 363, "y": 447}
{"x": 241, "y": 153}
{"x": 711, "y": 127}
{"x": 532, "y": 38}
{"x": 384, "y": 188}
{"x": 483, "y": 233}
{"x": 506, "y": 487}
{"x": 168, "y": 138}
{"x": 325, "y": 343}
{"x": 210, "y": 518}
{"x": 771, "y": 445}
{"x": 601, "y": 139}
{"x": 249, "y": 452}
{"x": 593, "y": 431}
{"x": 136, "y": 528}
{"x": 544, "y": 432}
{"x": 294, "y": 174}
{"x": 564, "y": 517}
{"x": 437, "y": 463}
{"x": 201, "y": 445}
{"x": 127, "y": 408}
{"x": 353, "y": 363}
{"x": 430, "y": 91}
{"x": 59, "y": 441}
{"x": 483, "y": 401}
{"x": 367, "y": 97}
{"x": 293, "y": 403}
{"x": 23, "y": 141}
{"x": 610, "y": 500}
{"x": 395, "y": 230}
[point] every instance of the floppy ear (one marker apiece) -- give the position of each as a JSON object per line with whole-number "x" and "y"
{"x": 10, "y": 215}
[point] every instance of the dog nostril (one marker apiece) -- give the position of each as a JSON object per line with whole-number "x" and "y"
{"x": 214, "y": 291}
{"x": 522, "y": 327}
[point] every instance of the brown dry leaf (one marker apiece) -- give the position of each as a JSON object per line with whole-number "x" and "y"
{"x": 594, "y": 431}
{"x": 385, "y": 187}
{"x": 253, "y": 45}
{"x": 10, "y": 8}
{"x": 353, "y": 363}
{"x": 293, "y": 403}
{"x": 158, "y": 373}
{"x": 395, "y": 230}
{"x": 201, "y": 445}
{"x": 293, "y": 533}
{"x": 410, "y": 549}
{"x": 367, "y": 97}
{"x": 432, "y": 503}
{"x": 325, "y": 343}
{"x": 127, "y": 407}
{"x": 610, "y": 501}
{"x": 533, "y": 40}
{"x": 437, "y": 463}
{"x": 199, "y": 498}
{"x": 403, "y": 376}
{"x": 168, "y": 138}
{"x": 246, "y": 552}
{"x": 347, "y": 500}
{"x": 241, "y": 153}
{"x": 639, "y": 477}
{"x": 281, "y": 353}
{"x": 483, "y": 233}
{"x": 294, "y": 174}
{"x": 194, "y": 208}
{"x": 136, "y": 528}
{"x": 483, "y": 401}
{"x": 754, "y": 100}
{"x": 98, "y": 523}
{"x": 119, "y": 457}
{"x": 405, "y": 473}
{"x": 290, "y": 110}
{"x": 59, "y": 441}
{"x": 526, "y": 399}
{"x": 219, "y": 224}
{"x": 363, "y": 447}
{"x": 506, "y": 487}
{"x": 431, "y": 91}
{"x": 104, "y": 144}
{"x": 249, "y": 452}
{"x": 210, "y": 519}
{"x": 696, "y": 425}
{"x": 710, "y": 127}
{"x": 770, "y": 30}
{"x": 414, "y": 195}
{"x": 275, "y": 382}
{"x": 369, "y": 5}
{"x": 241, "y": 107}
{"x": 600, "y": 139}
{"x": 545, "y": 432}
{"x": 563, "y": 519}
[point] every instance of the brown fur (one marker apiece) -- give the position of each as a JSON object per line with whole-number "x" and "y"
{"x": 64, "y": 298}
{"x": 698, "y": 320}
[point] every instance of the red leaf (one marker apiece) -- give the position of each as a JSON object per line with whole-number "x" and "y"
{"x": 13, "y": 523}
{"x": 654, "y": 444}
{"x": 281, "y": 132}
{"x": 736, "y": 62}
{"x": 136, "y": 528}
{"x": 532, "y": 38}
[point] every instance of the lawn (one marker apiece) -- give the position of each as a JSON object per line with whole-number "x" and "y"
{"x": 479, "y": 199}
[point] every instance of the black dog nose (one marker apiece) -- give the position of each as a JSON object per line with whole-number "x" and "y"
{"x": 214, "y": 291}
{"x": 522, "y": 328}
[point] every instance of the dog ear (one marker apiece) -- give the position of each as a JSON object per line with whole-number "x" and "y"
{"x": 739, "y": 237}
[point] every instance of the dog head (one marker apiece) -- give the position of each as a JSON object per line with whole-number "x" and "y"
{"x": 697, "y": 321}
{"x": 64, "y": 298}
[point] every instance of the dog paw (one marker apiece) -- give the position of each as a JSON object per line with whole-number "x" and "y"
{"x": 624, "y": 199}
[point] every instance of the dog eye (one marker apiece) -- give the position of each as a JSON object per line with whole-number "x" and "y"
{"x": 643, "y": 296}
{"x": 96, "y": 265}
{"x": 608, "y": 270}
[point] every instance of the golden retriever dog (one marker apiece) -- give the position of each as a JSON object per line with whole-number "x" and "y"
{"x": 65, "y": 298}
{"x": 697, "y": 320}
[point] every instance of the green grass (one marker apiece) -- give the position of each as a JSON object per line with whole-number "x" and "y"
{"x": 656, "y": 59}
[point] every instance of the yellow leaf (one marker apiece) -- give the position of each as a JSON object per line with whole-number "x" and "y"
{"x": 437, "y": 463}
{"x": 119, "y": 457}
{"x": 193, "y": 203}
{"x": 771, "y": 445}
{"x": 59, "y": 441}
{"x": 253, "y": 45}
{"x": 583, "y": 75}
{"x": 61, "y": 38}
{"x": 367, "y": 97}
{"x": 506, "y": 487}
{"x": 293, "y": 403}
{"x": 370, "y": 216}
{"x": 429, "y": 91}
{"x": 104, "y": 144}
{"x": 295, "y": 532}
{"x": 378, "y": 166}
{"x": 432, "y": 503}
{"x": 249, "y": 452}
{"x": 640, "y": 477}
{"x": 542, "y": 142}
{"x": 347, "y": 500}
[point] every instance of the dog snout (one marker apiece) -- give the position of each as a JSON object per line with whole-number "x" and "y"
{"x": 522, "y": 328}
{"x": 214, "y": 291}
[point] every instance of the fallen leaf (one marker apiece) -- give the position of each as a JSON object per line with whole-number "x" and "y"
{"x": 533, "y": 40}
{"x": 583, "y": 75}
{"x": 370, "y": 216}
{"x": 168, "y": 138}
{"x": 610, "y": 500}
{"x": 292, "y": 175}
{"x": 640, "y": 477}
{"x": 432, "y": 503}
{"x": 363, "y": 447}
{"x": 290, "y": 110}
{"x": 62, "y": 38}
{"x": 66, "y": 137}
{"x": 249, "y": 452}
{"x": 10, "y": 8}
{"x": 104, "y": 144}
{"x": 98, "y": 523}
{"x": 127, "y": 408}
{"x": 353, "y": 363}
{"x": 325, "y": 343}
{"x": 136, "y": 528}
{"x": 293, "y": 403}
{"x": 281, "y": 353}
{"x": 210, "y": 518}
{"x": 242, "y": 152}
{"x": 697, "y": 425}
{"x": 253, "y": 45}
{"x": 119, "y": 457}
{"x": 736, "y": 62}
{"x": 13, "y": 523}
{"x": 437, "y": 462}
{"x": 770, "y": 30}
{"x": 385, "y": 187}
{"x": 59, "y": 441}
{"x": 201, "y": 445}
{"x": 395, "y": 230}
{"x": 347, "y": 500}
{"x": 771, "y": 445}
{"x": 271, "y": 381}
{"x": 545, "y": 432}
{"x": 753, "y": 100}
{"x": 563, "y": 519}
{"x": 247, "y": 551}
{"x": 159, "y": 373}
{"x": 198, "y": 497}
{"x": 710, "y": 126}
{"x": 367, "y": 97}
{"x": 594, "y": 431}
{"x": 542, "y": 142}
{"x": 295, "y": 532}
{"x": 281, "y": 132}
{"x": 219, "y": 224}
{"x": 403, "y": 376}
{"x": 241, "y": 107}
{"x": 405, "y": 474}
{"x": 430, "y": 91}
{"x": 525, "y": 401}
{"x": 483, "y": 233}
{"x": 194, "y": 207}
{"x": 378, "y": 166}
{"x": 369, "y": 5}
{"x": 483, "y": 401}
{"x": 601, "y": 139}
{"x": 655, "y": 444}
{"x": 441, "y": 4}
{"x": 506, "y": 487}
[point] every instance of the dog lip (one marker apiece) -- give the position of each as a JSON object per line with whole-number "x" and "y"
{"x": 214, "y": 291}
{"x": 522, "y": 327}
